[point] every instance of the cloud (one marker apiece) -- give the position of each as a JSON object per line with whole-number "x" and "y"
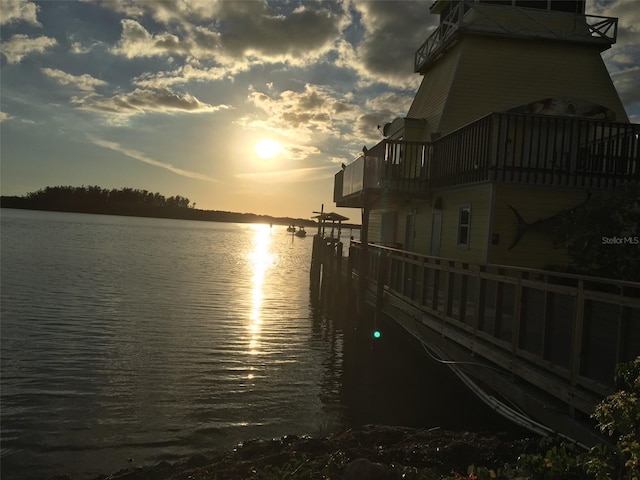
{"x": 316, "y": 109}
{"x": 142, "y": 101}
{"x": 78, "y": 48}
{"x": 136, "y": 41}
{"x": 188, "y": 73}
{"x": 136, "y": 155}
{"x": 165, "y": 12}
{"x": 393, "y": 32}
{"x": 628, "y": 15}
{"x": 321, "y": 117}
{"x": 14, "y": 11}
{"x": 299, "y": 37}
{"x": 342, "y": 160}
{"x": 5, "y": 116}
{"x": 626, "y": 50}
{"x": 626, "y": 82}
{"x": 367, "y": 125}
{"x": 291, "y": 176}
{"x": 392, "y": 101}
{"x": 246, "y": 32}
{"x": 19, "y": 46}
{"x": 84, "y": 82}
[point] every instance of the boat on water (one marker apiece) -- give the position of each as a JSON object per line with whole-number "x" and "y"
{"x": 291, "y": 229}
{"x": 300, "y": 232}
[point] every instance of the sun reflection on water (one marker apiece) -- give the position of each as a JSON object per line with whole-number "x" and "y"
{"x": 261, "y": 260}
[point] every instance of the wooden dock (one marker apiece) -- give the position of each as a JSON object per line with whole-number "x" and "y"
{"x": 544, "y": 345}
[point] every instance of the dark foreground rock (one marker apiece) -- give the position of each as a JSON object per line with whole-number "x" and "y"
{"x": 370, "y": 452}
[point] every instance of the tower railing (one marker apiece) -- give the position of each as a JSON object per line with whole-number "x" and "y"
{"x": 513, "y": 21}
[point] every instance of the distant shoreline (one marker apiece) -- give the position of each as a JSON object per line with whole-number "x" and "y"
{"x": 21, "y": 203}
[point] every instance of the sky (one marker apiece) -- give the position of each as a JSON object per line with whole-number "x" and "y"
{"x": 175, "y": 96}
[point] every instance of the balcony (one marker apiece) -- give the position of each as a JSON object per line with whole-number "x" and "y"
{"x": 392, "y": 166}
{"x": 557, "y": 151}
{"x": 515, "y": 22}
{"x": 538, "y": 149}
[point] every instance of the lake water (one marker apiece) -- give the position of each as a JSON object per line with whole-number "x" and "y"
{"x": 127, "y": 341}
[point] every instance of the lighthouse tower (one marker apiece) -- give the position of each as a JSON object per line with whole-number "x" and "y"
{"x": 537, "y": 65}
{"x": 542, "y": 56}
{"x": 515, "y": 122}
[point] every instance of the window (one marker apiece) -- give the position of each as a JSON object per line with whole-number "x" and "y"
{"x": 464, "y": 224}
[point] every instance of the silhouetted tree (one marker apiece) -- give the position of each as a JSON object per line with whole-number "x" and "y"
{"x": 602, "y": 236}
{"x": 129, "y": 201}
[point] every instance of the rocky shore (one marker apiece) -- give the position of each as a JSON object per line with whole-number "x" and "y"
{"x": 370, "y": 452}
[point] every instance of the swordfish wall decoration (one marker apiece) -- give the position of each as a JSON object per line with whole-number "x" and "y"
{"x": 543, "y": 225}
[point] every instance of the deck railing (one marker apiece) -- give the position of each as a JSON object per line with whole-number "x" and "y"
{"x": 573, "y": 327}
{"x": 538, "y": 149}
{"x": 482, "y": 18}
{"x": 503, "y": 147}
{"x": 391, "y": 165}
{"x": 405, "y": 165}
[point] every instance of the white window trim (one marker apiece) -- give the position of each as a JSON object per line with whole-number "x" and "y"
{"x": 464, "y": 246}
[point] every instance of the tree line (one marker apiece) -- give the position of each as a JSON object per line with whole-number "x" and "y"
{"x": 132, "y": 202}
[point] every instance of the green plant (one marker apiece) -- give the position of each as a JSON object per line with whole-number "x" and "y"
{"x": 556, "y": 459}
{"x": 601, "y": 234}
{"x": 619, "y": 415}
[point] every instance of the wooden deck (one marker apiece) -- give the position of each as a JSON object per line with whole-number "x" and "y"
{"x": 555, "y": 338}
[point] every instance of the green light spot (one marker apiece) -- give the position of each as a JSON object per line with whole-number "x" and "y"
{"x": 376, "y": 334}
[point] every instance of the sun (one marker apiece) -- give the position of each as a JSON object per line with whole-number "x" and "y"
{"x": 266, "y": 148}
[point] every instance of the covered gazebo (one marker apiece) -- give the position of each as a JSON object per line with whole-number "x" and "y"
{"x": 324, "y": 219}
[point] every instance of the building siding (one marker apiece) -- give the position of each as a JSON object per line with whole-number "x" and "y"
{"x": 478, "y": 75}
{"x": 431, "y": 98}
{"x": 422, "y": 239}
{"x": 375, "y": 226}
{"x": 479, "y": 198}
{"x": 493, "y": 75}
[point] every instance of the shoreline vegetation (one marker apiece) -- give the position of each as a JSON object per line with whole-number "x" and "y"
{"x": 372, "y": 452}
{"x": 135, "y": 203}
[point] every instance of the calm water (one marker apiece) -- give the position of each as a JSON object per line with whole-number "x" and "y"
{"x": 149, "y": 339}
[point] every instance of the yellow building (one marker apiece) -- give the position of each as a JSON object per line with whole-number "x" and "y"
{"x": 516, "y": 120}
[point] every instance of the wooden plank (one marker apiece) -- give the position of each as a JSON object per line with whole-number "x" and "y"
{"x": 613, "y": 299}
{"x": 577, "y": 338}
{"x": 479, "y": 300}
{"x": 497, "y": 323}
{"x": 549, "y": 287}
{"x": 517, "y": 307}
{"x": 550, "y": 383}
{"x": 545, "y": 326}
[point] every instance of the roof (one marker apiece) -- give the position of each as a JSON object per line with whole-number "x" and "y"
{"x": 334, "y": 217}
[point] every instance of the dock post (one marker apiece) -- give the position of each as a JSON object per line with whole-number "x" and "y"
{"x": 349, "y": 278}
{"x": 316, "y": 264}
{"x": 363, "y": 267}
{"x": 382, "y": 275}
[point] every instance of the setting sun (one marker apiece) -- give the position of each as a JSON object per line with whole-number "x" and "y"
{"x": 266, "y": 148}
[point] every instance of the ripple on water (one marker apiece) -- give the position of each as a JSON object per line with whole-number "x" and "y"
{"x": 145, "y": 335}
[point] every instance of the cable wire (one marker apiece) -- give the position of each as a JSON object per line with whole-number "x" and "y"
{"x": 501, "y": 408}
